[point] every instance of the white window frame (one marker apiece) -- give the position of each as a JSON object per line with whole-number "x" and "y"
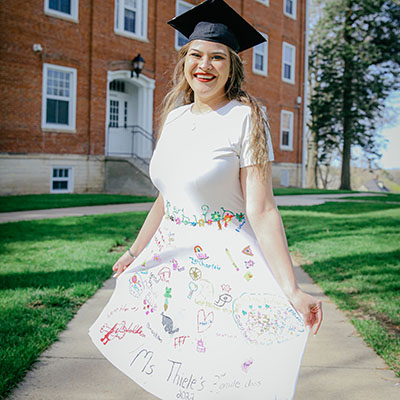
{"x": 288, "y": 147}
{"x": 70, "y": 127}
{"x": 70, "y": 179}
{"x": 141, "y": 22}
{"x": 256, "y": 49}
{"x": 73, "y": 17}
{"x": 293, "y": 16}
{"x": 293, "y": 65}
{"x": 265, "y": 2}
{"x": 188, "y": 6}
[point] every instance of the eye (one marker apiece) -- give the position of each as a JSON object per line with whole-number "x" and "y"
{"x": 218, "y": 58}
{"x": 195, "y": 55}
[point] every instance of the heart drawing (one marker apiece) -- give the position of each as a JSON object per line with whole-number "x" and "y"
{"x": 204, "y": 321}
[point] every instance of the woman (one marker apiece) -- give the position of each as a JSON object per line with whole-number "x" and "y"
{"x": 206, "y": 304}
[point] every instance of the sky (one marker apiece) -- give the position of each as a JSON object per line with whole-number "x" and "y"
{"x": 391, "y": 131}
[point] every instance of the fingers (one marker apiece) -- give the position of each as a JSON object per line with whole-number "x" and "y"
{"x": 316, "y": 316}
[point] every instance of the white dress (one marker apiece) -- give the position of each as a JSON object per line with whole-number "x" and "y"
{"x": 199, "y": 315}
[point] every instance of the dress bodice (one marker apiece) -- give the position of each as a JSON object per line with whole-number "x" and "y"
{"x": 197, "y": 160}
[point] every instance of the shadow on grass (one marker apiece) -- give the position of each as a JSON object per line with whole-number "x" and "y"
{"x": 62, "y": 279}
{"x": 85, "y": 228}
{"x": 346, "y": 208}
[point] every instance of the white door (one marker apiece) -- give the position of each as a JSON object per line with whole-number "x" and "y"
{"x": 119, "y": 133}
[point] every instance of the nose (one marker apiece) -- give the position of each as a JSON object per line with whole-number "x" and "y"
{"x": 205, "y": 63}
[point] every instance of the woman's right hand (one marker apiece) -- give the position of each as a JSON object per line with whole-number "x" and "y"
{"x": 122, "y": 264}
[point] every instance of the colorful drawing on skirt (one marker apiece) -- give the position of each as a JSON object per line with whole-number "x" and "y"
{"x": 199, "y": 253}
{"x": 167, "y": 295}
{"x": 168, "y": 324}
{"x": 246, "y": 365}
{"x": 231, "y": 259}
{"x": 223, "y": 299}
{"x": 149, "y": 305}
{"x": 266, "y": 319}
{"x": 249, "y": 263}
{"x": 200, "y": 346}
{"x": 136, "y": 286}
{"x": 204, "y": 321}
{"x": 119, "y": 331}
{"x": 247, "y": 250}
{"x": 192, "y": 288}
{"x": 220, "y": 218}
{"x": 195, "y": 273}
{"x": 175, "y": 265}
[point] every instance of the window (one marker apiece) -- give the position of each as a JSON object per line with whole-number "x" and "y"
{"x": 65, "y": 9}
{"x": 286, "y": 142}
{"x": 181, "y": 7}
{"x": 289, "y": 8}
{"x": 288, "y": 62}
{"x": 131, "y": 18}
{"x": 117, "y": 86}
{"x": 59, "y": 97}
{"x": 114, "y": 113}
{"x": 62, "y": 180}
{"x": 266, "y": 2}
{"x": 260, "y": 57}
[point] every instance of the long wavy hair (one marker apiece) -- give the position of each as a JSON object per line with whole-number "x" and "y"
{"x": 182, "y": 94}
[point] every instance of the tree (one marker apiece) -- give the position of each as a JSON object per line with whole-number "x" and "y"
{"x": 354, "y": 64}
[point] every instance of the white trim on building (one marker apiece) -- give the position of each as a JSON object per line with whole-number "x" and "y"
{"x": 260, "y": 57}
{"x": 131, "y": 19}
{"x": 288, "y": 62}
{"x": 286, "y": 131}
{"x": 64, "y": 9}
{"x": 59, "y": 98}
{"x": 265, "y": 2}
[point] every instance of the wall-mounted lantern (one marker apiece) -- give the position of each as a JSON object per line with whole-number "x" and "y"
{"x": 137, "y": 65}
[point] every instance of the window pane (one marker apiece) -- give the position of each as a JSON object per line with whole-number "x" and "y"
{"x": 285, "y": 138}
{"x": 287, "y": 71}
{"x": 130, "y": 21}
{"x": 259, "y": 64}
{"x": 60, "y": 5}
{"x": 181, "y": 40}
{"x": 289, "y": 7}
{"x": 57, "y": 112}
{"x": 288, "y": 54}
{"x": 58, "y": 83}
{"x": 66, "y": 173}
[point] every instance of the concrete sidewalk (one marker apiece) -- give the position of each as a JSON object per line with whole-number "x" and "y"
{"x": 337, "y": 364}
{"x": 295, "y": 200}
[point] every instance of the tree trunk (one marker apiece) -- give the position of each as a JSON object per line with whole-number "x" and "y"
{"x": 347, "y": 106}
{"x": 312, "y": 161}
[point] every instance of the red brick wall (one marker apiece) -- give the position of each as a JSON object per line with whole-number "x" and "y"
{"x": 92, "y": 47}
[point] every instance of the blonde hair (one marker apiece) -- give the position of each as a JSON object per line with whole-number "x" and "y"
{"x": 182, "y": 94}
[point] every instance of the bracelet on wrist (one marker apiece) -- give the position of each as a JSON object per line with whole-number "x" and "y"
{"x": 130, "y": 253}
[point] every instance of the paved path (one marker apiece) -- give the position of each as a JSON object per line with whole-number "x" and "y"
{"x": 337, "y": 364}
{"x": 296, "y": 200}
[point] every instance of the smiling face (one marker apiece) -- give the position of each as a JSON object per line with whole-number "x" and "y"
{"x": 207, "y": 67}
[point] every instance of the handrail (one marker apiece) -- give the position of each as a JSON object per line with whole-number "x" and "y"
{"x": 133, "y": 137}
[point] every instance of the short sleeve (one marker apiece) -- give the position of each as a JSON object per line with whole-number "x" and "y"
{"x": 245, "y": 155}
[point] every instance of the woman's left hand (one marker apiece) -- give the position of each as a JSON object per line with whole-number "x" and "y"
{"x": 309, "y": 306}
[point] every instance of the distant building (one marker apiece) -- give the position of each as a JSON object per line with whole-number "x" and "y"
{"x": 76, "y": 119}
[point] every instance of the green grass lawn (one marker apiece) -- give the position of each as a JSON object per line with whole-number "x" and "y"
{"x": 45, "y": 201}
{"x": 352, "y": 251}
{"x": 48, "y": 269}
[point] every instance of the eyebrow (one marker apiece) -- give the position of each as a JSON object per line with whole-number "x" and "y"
{"x": 212, "y": 52}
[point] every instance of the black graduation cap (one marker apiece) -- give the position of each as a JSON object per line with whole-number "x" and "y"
{"x": 216, "y": 21}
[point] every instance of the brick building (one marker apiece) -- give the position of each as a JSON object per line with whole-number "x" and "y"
{"x": 76, "y": 119}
